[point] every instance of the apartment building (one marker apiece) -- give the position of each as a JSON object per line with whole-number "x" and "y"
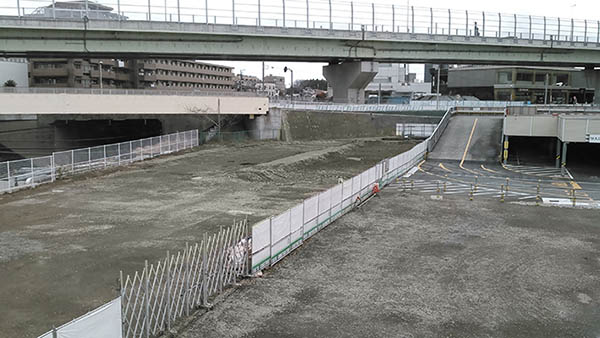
{"x": 137, "y": 74}
{"x": 279, "y": 81}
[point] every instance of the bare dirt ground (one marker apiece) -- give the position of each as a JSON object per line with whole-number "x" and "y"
{"x": 406, "y": 265}
{"x": 62, "y": 245}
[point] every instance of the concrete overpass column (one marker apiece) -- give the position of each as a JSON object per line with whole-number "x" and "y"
{"x": 564, "y": 159}
{"x": 557, "y": 163}
{"x": 348, "y": 80}
{"x": 592, "y": 78}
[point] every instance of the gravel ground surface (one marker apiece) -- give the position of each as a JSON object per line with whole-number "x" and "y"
{"x": 62, "y": 245}
{"x": 408, "y": 265}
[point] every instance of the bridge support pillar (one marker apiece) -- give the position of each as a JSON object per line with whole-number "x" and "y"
{"x": 348, "y": 80}
{"x": 592, "y": 79}
{"x": 563, "y": 159}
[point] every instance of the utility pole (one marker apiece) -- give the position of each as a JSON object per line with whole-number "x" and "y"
{"x": 546, "y": 89}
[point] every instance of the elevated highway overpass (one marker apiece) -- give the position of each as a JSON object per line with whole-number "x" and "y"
{"x": 127, "y": 102}
{"x": 352, "y": 41}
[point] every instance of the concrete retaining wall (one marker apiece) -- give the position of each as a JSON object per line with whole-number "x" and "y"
{"x": 306, "y": 125}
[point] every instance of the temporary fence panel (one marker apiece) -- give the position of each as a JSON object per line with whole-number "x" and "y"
{"x": 364, "y": 180}
{"x": 261, "y": 244}
{"x": 102, "y": 322}
{"x": 346, "y": 194}
{"x": 296, "y": 226}
{"x": 336, "y": 201}
{"x": 324, "y": 208}
{"x": 356, "y": 186}
{"x": 280, "y": 236}
{"x": 311, "y": 211}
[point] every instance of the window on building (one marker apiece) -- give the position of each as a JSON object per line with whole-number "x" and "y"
{"x": 504, "y": 77}
{"x": 540, "y": 77}
{"x": 524, "y": 77}
{"x": 562, "y": 79}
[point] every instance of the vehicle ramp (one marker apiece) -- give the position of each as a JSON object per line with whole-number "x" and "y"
{"x": 470, "y": 138}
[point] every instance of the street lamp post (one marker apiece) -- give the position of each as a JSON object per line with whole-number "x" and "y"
{"x": 285, "y": 69}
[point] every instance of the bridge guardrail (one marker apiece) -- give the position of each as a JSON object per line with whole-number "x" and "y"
{"x": 116, "y": 91}
{"x": 327, "y": 15}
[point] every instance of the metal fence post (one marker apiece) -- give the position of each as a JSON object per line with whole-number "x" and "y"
{"x": 449, "y": 23}
{"x": 530, "y": 34}
{"x": 393, "y": 18}
{"x": 572, "y": 27}
{"x": 483, "y": 24}
{"x": 53, "y": 168}
{"x": 544, "y": 28}
{"x": 283, "y": 8}
{"x": 204, "y": 272}
{"x": 412, "y": 14}
{"x": 119, "y": 9}
{"x": 330, "y": 22}
{"x": 149, "y": 11}
{"x": 18, "y": 9}
{"x": 259, "y": 21}
{"x": 515, "y": 26}
{"x": 499, "y": 25}
{"x": 168, "y": 282}
{"x": 186, "y": 294}
{"x": 178, "y": 12}
{"x": 307, "y": 16}
{"x": 87, "y": 8}
{"x": 585, "y": 31}
{"x": 53, "y": 9}
{"x": 32, "y": 174}
{"x": 206, "y": 10}
{"x": 271, "y": 239}
{"x": 558, "y": 29}
{"x": 352, "y": 17}
{"x": 130, "y": 152}
{"x": 467, "y": 23}
{"x": 598, "y": 33}
{"x": 166, "y": 15}
{"x": 146, "y": 276}
{"x": 372, "y": 16}
{"x": 72, "y": 161}
{"x": 431, "y": 20}
{"x": 119, "y": 153}
{"x": 104, "y": 155}
{"x": 89, "y": 158}
{"x": 233, "y": 12}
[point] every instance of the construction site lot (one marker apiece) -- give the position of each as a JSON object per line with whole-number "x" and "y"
{"x": 62, "y": 245}
{"x": 414, "y": 264}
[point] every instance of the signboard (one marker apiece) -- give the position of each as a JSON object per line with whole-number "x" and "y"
{"x": 594, "y": 138}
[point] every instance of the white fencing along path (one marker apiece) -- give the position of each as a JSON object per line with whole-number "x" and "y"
{"x": 27, "y": 173}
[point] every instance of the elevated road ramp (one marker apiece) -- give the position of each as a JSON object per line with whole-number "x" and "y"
{"x": 470, "y": 138}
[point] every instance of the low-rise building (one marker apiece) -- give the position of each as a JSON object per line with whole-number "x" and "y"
{"x": 395, "y": 85}
{"x": 138, "y": 74}
{"x": 279, "y": 81}
{"x": 269, "y": 89}
{"x": 529, "y": 84}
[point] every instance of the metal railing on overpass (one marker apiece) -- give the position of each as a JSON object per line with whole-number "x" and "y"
{"x": 320, "y": 14}
{"x": 413, "y": 106}
{"x": 114, "y": 91}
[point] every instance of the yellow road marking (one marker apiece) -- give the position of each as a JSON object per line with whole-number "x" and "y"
{"x": 443, "y": 167}
{"x": 575, "y": 185}
{"x": 560, "y": 184}
{"x": 486, "y": 169}
{"x": 420, "y": 164}
{"x": 462, "y": 161}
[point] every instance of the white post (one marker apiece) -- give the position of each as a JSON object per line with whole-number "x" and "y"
{"x": 186, "y": 295}
{"x": 178, "y": 12}
{"x": 206, "y": 10}
{"x": 352, "y": 16}
{"x": 393, "y": 18}
{"x": 8, "y": 176}
{"x": 32, "y": 174}
{"x": 72, "y": 161}
{"x": 104, "y": 156}
{"x": 130, "y": 152}
{"x": 146, "y": 299}
{"x": 119, "y": 153}
{"x": 53, "y": 168}
{"x": 259, "y": 21}
{"x": 89, "y": 158}
{"x": 372, "y": 16}
{"x": 18, "y": 9}
{"x": 330, "y": 21}
{"x": 283, "y": 6}
{"x": 271, "y": 241}
{"x": 168, "y": 267}
{"x": 233, "y": 12}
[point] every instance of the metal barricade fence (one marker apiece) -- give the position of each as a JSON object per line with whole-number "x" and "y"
{"x": 26, "y": 173}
